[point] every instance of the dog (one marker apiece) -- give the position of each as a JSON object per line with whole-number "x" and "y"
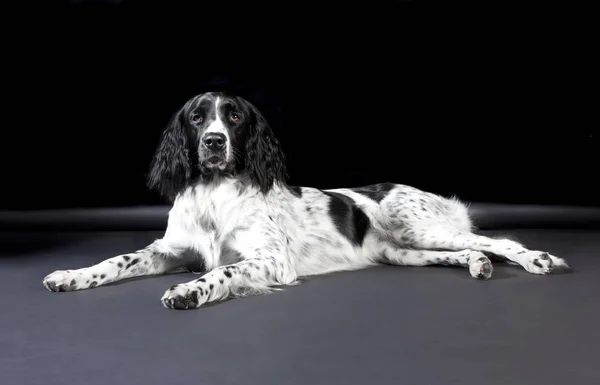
{"x": 236, "y": 220}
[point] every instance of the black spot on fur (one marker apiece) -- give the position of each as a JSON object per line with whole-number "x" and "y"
{"x": 296, "y": 190}
{"x": 537, "y": 263}
{"x": 73, "y": 283}
{"x": 120, "y": 264}
{"x": 103, "y": 276}
{"x": 126, "y": 258}
{"x": 93, "y": 284}
{"x": 94, "y": 276}
{"x": 221, "y": 281}
{"x": 211, "y": 286}
{"x": 350, "y": 220}
{"x": 377, "y": 192}
{"x": 227, "y": 274}
{"x": 201, "y": 280}
{"x": 133, "y": 262}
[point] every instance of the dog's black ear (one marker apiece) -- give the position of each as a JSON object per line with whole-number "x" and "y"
{"x": 170, "y": 169}
{"x": 265, "y": 160}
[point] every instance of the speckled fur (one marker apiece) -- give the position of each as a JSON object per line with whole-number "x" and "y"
{"x": 250, "y": 233}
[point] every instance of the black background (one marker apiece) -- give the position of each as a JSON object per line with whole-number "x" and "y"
{"x": 490, "y": 108}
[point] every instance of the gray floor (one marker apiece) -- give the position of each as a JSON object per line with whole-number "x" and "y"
{"x": 386, "y": 325}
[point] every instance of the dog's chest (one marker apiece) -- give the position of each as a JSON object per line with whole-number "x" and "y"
{"x": 209, "y": 219}
{"x": 212, "y": 211}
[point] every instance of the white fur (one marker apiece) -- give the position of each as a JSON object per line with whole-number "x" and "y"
{"x": 217, "y": 126}
{"x": 279, "y": 241}
{"x": 248, "y": 241}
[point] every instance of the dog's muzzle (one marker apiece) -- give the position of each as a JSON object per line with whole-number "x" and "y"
{"x": 215, "y": 146}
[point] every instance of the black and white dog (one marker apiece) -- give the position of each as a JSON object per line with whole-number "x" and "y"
{"x": 236, "y": 219}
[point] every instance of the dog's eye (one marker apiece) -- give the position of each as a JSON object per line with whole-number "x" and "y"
{"x": 196, "y": 118}
{"x": 234, "y": 117}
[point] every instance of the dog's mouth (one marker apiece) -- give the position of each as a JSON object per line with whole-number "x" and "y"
{"x": 214, "y": 162}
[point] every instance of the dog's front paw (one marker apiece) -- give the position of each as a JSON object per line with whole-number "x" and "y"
{"x": 183, "y": 296}
{"x": 63, "y": 280}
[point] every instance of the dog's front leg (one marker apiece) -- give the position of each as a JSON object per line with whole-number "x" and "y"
{"x": 252, "y": 276}
{"x": 159, "y": 257}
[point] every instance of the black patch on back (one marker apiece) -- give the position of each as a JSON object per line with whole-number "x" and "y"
{"x": 349, "y": 219}
{"x": 375, "y": 191}
{"x": 296, "y": 190}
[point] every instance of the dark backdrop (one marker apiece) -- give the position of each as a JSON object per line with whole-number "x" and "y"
{"x": 91, "y": 84}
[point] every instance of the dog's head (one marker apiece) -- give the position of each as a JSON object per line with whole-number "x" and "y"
{"x": 216, "y": 135}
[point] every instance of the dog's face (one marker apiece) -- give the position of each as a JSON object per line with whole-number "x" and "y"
{"x": 217, "y": 127}
{"x": 216, "y": 135}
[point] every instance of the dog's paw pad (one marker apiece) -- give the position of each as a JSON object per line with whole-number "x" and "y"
{"x": 539, "y": 262}
{"x": 61, "y": 280}
{"x": 182, "y": 297}
{"x": 480, "y": 266}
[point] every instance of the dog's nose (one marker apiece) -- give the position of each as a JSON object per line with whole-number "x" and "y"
{"x": 214, "y": 141}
